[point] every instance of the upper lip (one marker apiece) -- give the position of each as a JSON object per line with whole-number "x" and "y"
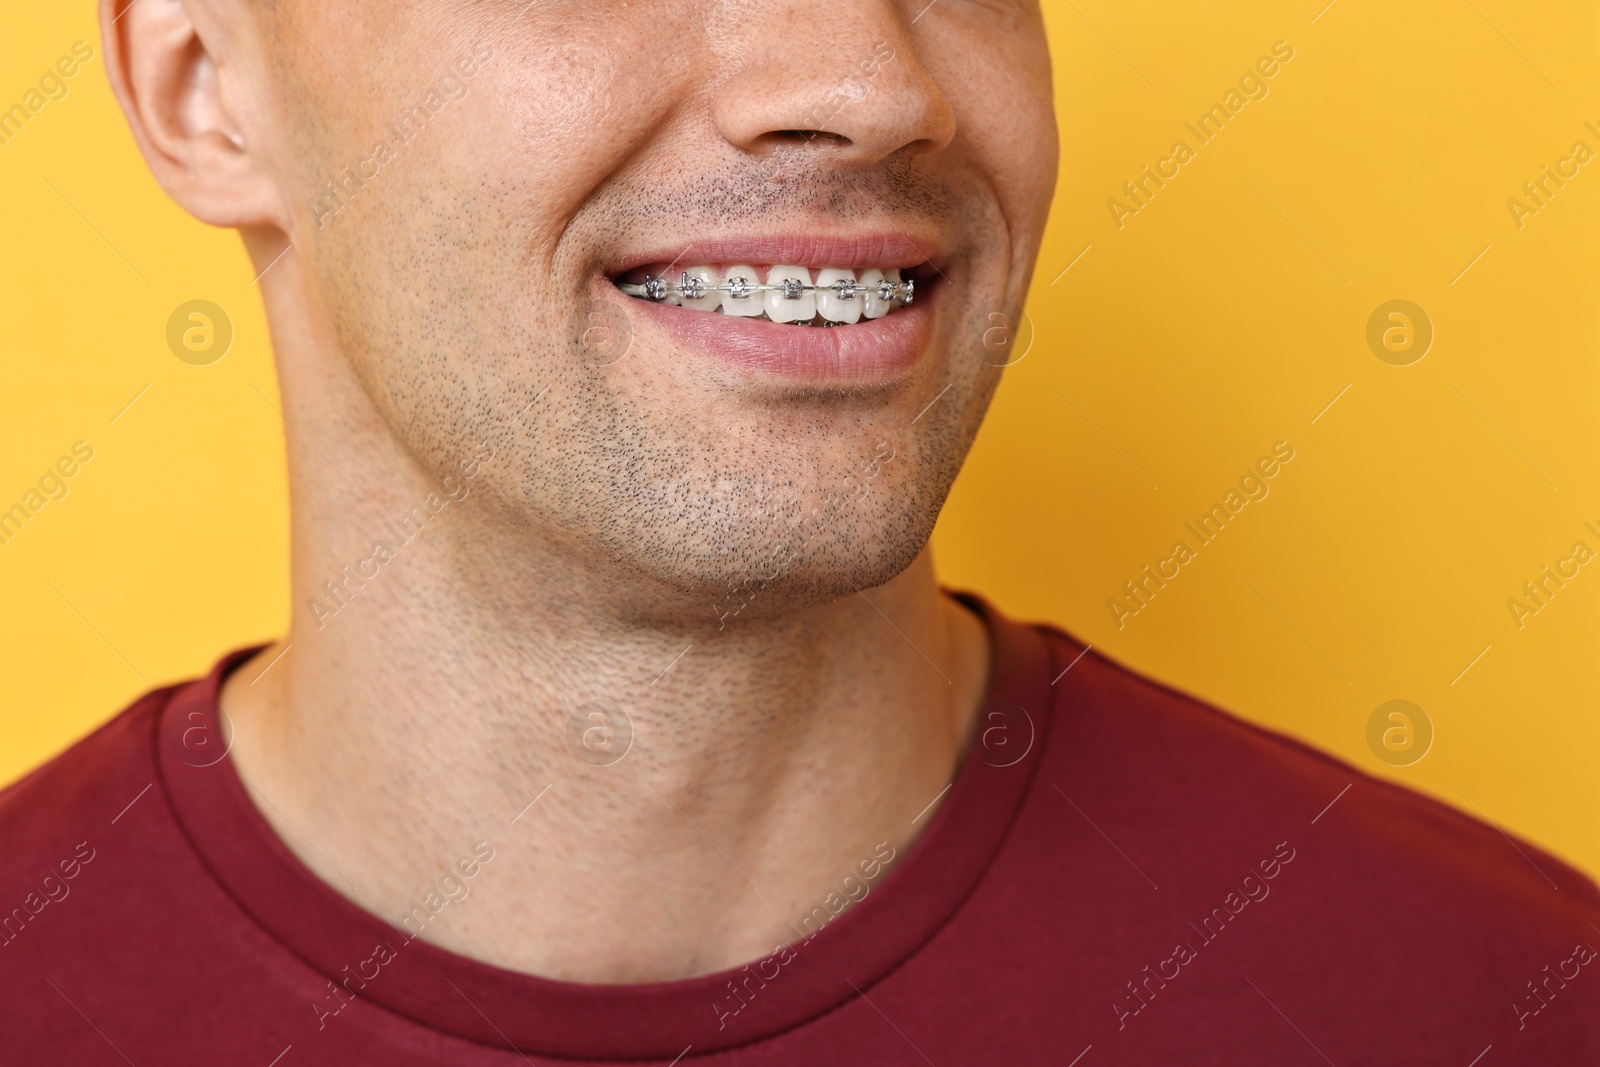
{"x": 882, "y": 250}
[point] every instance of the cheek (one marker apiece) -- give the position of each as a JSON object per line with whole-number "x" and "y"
{"x": 472, "y": 210}
{"x": 1000, "y": 91}
{"x": 573, "y": 104}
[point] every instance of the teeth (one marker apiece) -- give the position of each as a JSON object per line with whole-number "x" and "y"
{"x": 873, "y": 306}
{"x": 706, "y": 277}
{"x": 792, "y": 300}
{"x": 838, "y": 295}
{"x": 739, "y": 300}
{"x": 788, "y": 295}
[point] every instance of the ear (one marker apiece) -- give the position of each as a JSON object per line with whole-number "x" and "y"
{"x": 186, "y": 98}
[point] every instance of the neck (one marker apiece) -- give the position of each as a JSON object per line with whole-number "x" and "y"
{"x": 663, "y": 794}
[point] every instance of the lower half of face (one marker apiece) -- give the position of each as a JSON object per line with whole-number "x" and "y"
{"x": 705, "y": 368}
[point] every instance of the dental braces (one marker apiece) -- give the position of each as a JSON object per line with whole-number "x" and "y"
{"x": 739, "y": 287}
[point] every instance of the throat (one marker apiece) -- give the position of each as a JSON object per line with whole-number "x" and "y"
{"x": 634, "y": 836}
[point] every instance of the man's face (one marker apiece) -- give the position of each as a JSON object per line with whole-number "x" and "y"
{"x": 499, "y": 167}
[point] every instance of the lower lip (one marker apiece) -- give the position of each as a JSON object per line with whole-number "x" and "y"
{"x": 864, "y": 352}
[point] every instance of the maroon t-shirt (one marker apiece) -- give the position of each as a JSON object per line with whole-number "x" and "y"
{"x": 1118, "y": 875}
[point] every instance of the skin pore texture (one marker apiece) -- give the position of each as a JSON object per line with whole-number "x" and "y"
{"x": 733, "y": 557}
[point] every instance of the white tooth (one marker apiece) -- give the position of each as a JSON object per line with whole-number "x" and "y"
{"x": 781, "y": 308}
{"x": 829, "y": 306}
{"x": 708, "y": 277}
{"x": 671, "y": 297}
{"x": 748, "y": 305}
{"x": 874, "y": 306}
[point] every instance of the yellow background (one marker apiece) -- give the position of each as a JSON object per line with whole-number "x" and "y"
{"x": 1224, "y": 316}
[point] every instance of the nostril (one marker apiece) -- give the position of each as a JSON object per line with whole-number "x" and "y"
{"x": 798, "y": 137}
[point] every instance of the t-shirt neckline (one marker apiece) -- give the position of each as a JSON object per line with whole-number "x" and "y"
{"x": 508, "y": 1009}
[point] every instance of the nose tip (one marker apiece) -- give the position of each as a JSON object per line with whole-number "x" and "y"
{"x": 842, "y": 81}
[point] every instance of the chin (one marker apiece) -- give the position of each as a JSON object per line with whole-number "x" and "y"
{"x": 822, "y": 577}
{"x": 788, "y": 567}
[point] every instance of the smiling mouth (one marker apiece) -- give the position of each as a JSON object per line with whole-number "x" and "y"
{"x": 832, "y": 296}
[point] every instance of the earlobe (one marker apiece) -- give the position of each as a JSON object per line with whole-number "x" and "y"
{"x": 180, "y": 86}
